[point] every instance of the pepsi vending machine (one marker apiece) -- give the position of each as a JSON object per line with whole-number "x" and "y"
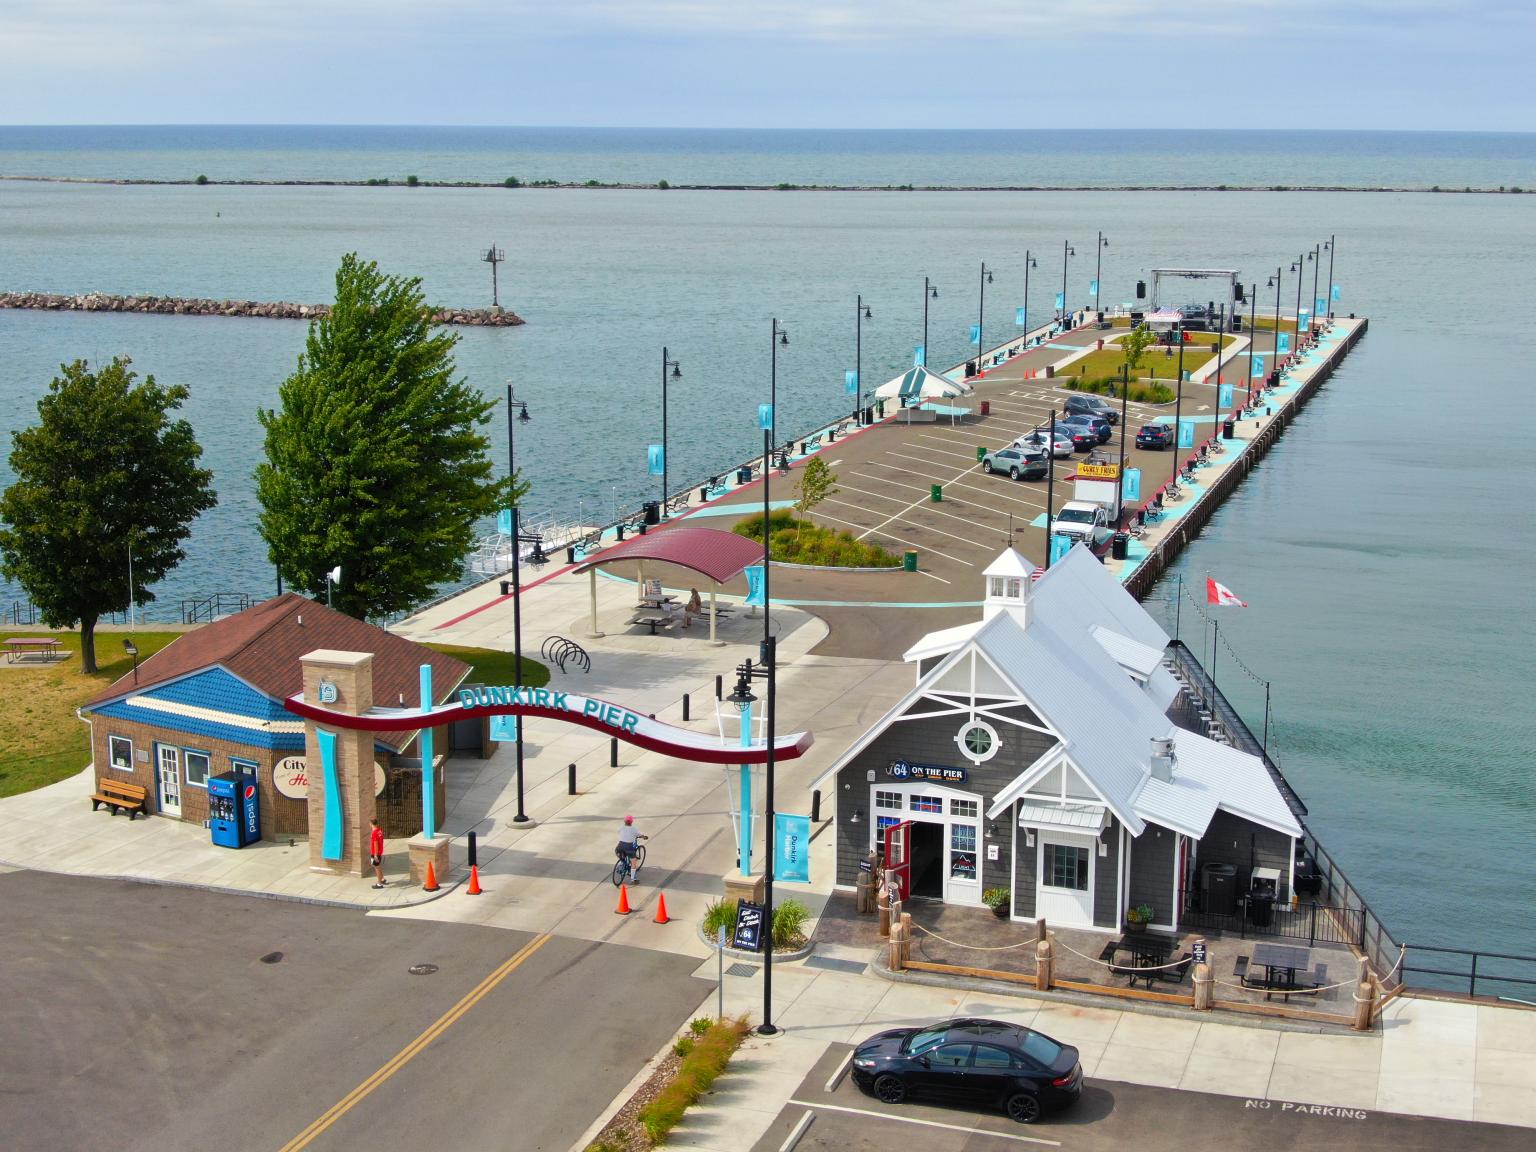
{"x": 233, "y": 815}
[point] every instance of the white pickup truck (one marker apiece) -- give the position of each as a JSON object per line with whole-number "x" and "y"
{"x": 1082, "y": 520}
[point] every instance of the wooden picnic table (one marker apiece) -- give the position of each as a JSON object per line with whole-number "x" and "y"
{"x": 20, "y": 647}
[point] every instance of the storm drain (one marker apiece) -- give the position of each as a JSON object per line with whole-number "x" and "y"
{"x": 422, "y": 969}
{"x": 271, "y": 957}
{"x": 742, "y": 970}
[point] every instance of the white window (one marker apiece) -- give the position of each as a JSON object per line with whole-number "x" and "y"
{"x": 965, "y": 808}
{"x": 962, "y": 851}
{"x": 120, "y": 753}
{"x": 977, "y": 741}
{"x": 197, "y": 765}
{"x": 888, "y": 800}
{"x": 995, "y": 587}
{"x": 244, "y": 767}
{"x": 1015, "y": 588}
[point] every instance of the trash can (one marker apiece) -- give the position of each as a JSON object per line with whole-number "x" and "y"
{"x": 570, "y": 553}
{"x": 653, "y": 511}
{"x": 909, "y": 561}
{"x": 1274, "y": 379}
{"x": 506, "y": 587}
{"x": 1101, "y": 345}
{"x": 619, "y": 528}
{"x": 970, "y": 369}
{"x": 1218, "y": 888}
{"x": 935, "y": 492}
{"x": 1117, "y": 546}
{"x": 986, "y": 409}
{"x": 1261, "y": 909}
{"x": 743, "y": 475}
{"x": 1227, "y": 428}
{"x": 981, "y": 452}
{"x": 1050, "y": 371}
{"x": 880, "y": 408}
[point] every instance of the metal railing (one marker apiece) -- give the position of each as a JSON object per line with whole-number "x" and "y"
{"x": 1381, "y": 948}
{"x": 206, "y": 609}
{"x": 1501, "y": 975}
{"x": 1306, "y": 920}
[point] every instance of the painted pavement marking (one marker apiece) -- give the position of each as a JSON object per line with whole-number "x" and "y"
{"x": 929, "y": 1123}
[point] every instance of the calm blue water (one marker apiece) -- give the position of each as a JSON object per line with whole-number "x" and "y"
{"x": 1388, "y": 563}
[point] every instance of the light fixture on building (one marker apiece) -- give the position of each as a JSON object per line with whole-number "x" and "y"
{"x": 858, "y": 816}
{"x": 991, "y": 831}
{"x": 741, "y": 696}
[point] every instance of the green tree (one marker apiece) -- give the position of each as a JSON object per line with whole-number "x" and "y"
{"x": 1135, "y": 345}
{"x": 106, "y": 469}
{"x": 817, "y": 482}
{"x": 375, "y": 458}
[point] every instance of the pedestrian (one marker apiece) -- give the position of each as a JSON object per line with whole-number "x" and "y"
{"x": 376, "y": 852}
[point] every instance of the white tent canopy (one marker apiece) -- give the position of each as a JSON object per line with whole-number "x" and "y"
{"x": 921, "y": 384}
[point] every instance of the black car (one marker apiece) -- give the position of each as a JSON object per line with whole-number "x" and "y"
{"x": 1095, "y": 424}
{"x": 1087, "y": 404}
{"x": 979, "y": 1062}
{"x": 1154, "y": 436}
{"x": 1083, "y": 439}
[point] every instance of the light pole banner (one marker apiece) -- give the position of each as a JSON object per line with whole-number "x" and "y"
{"x": 504, "y": 728}
{"x": 1320, "y": 305}
{"x": 1186, "y": 433}
{"x": 851, "y": 382}
{"x": 1093, "y": 289}
{"x": 1224, "y": 396}
{"x": 1021, "y": 317}
{"x": 1061, "y": 299}
{"x": 1060, "y": 546}
{"x": 504, "y": 521}
{"x": 1284, "y": 343}
{"x": 765, "y": 416}
{"x": 919, "y": 357}
{"x": 1258, "y": 366}
{"x": 1303, "y": 320}
{"x": 656, "y": 459}
{"x": 791, "y": 848}
{"x": 975, "y": 333}
{"x": 1131, "y": 485}
{"x": 754, "y": 584}
{"x": 1335, "y": 291}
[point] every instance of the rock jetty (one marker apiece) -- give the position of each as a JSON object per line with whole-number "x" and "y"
{"x": 184, "y": 306}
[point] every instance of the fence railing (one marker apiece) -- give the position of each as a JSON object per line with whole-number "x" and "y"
{"x": 1307, "y": 920}
{"x": 206, "y": 609}
{"x": 1468, "y": 973}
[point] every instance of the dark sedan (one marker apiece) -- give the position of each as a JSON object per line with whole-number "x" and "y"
{"x": 1154, "y": 436}
{"x": 985, "y": 1063}
{"x": 1083, "y": 439}
{"x": 1095, "y": 424}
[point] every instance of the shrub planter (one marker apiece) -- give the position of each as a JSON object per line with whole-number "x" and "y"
{"x": 778, "y": 957}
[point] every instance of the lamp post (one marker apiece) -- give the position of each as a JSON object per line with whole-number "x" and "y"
{"x": 1297, "y": 267}
{"x": 780, "y": 336}
{"x": 1316, "y": 256}
{"x": 1098, "y": 265}
{"x": 1029, "y": 262}
{"x": 1331, "y": 243}
{"x": 521, "y": 417}
{"x": 1050, "y": 488}
{"x": 677, "y": 374}
{"x": 1066, "y": 251}
{"x": 862, "y": 313}
{"x": 1125, "y": 398}
{"x": 930, "y": 292}
{"x": 1178, "y": 412}
{"x": 1274, "y": 282}
{"x": 1253, "y": 314}
{"x": 981, "y": 313}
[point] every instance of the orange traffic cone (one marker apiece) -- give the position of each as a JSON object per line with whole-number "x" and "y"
{"x": 430, "y": 884}
{"x": 474, "y": 881}
{"x": 623, "y": 908}
{"x": 661, "y": 909}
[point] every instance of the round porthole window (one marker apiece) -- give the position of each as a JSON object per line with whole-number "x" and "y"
{"x": 978, "y": 741}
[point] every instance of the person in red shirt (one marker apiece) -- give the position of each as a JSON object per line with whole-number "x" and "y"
{"x": 376, "y": 852}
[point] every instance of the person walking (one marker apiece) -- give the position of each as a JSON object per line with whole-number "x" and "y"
{"x": 376, "y": 853}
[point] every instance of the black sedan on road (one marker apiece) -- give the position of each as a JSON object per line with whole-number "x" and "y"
{"x": 983, "y": 1063}
{"x": 1154, "y": 436}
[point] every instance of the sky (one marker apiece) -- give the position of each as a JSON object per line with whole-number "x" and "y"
{"x": 1376, "y": 64}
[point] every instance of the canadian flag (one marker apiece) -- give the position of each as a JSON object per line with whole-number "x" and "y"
{"x": 1221, "y": 595}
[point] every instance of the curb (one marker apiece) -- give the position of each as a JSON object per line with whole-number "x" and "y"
{"x": 756, "y": 957}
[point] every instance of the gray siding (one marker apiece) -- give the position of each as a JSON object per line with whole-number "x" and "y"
{"x": 1246, "y": 845}
{"x": 1024, "y": 873}
{"x": 1106, "y": 871}
{"x": 1152, "y": 864}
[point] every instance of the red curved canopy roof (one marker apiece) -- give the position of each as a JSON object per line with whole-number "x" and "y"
{"x": 708, "y": 551}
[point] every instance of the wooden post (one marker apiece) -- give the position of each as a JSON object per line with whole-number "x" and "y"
{"x": 894, "y": 955}
{"x": 1365, "y": 998}
{"x": 1045, "y": 960}
{"x": 906, "y": 938}
{"x": 883, "y": 906}
{"x": 1205, "y": 983}
{"x": 865, "y": 892}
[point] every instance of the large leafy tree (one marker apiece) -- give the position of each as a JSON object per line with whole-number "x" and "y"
{"x": 375, "y": 458}
{"x": 106, "y": 470}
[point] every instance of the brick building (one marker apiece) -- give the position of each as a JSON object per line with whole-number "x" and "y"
{"x": 212, "y": 702}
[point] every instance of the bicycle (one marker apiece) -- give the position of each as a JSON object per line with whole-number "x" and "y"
{"x": 622, "y": 867}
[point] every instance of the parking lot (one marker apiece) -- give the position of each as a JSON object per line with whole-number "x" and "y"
{"x": 1110, "y": 1117}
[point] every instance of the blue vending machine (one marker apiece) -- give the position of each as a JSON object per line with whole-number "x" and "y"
{"x": 234, "y": 817}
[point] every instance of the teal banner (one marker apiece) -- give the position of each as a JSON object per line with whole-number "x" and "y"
{"x": 1093, "y": 289}
{"x": 1060, "y": 546}
{"x": 851, "y": 382}
{"x": 791, "y": 848}
{"x": 1186, "y": 433}
{"x": 754, "y": 585}
{"x": 765, "y": 416}
{"x": 504, "y": 728}
{"x": 1258, "y": 366}
{"x": 1335, "y": 291}
{"x": 919, "y": 357}
{"x": 1021, "y": 317}
{"x": 1130, "y": 490}
{"x": 975, "y": 333}
{"x": 504, "y": 521}
{"x": 1284, "y": 344}
{"x": 1061, "y": 299}
{"x": 1224, "y": 396}
{"x": 656, "y": 459}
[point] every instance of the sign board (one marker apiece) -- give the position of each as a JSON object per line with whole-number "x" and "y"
{"x": 328, "y": 693}
{"x": 291, "y": 778}
{"x": 938, "y": 773}
{"x": 792, "y": 848}
{"x": 1198, "y": 951}
{"x": 993, "y": 852}
{"x": 864, "y": 866}
{"x": 1099, "y": 471}
{"x": 749, "y": 927}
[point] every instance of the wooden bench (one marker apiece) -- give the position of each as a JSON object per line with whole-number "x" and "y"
{"x": 121, "y": 796}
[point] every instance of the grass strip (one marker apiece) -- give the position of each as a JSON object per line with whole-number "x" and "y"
{"x": 704, "y": 1061}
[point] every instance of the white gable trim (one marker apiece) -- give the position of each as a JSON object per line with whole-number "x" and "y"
{"x": 135, "y": 690}
{"x": 1272, "y": 825}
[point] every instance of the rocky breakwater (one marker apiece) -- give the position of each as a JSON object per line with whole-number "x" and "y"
{"x": 185, "y": 306}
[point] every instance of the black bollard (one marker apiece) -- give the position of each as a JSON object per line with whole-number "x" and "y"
{"x": 719, "y": 687}
{"x": 685, "y": 706}
{"x": 474, "y": 860}
{"x": 816, "y": 806}
{"x": 613, "y": 752}
{"x": 570, "y": 780}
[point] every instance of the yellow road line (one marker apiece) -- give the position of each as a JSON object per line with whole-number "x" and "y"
{"x": 404, "y": 1056}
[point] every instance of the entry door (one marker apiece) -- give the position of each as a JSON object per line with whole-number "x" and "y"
{"x": 170, "y": 779}
{"x": 1065, "y": 888}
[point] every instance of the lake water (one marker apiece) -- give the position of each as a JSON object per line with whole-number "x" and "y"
{"x": 1384, "y": 545}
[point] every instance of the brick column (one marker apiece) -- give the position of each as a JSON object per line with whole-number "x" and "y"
{"x": 352, "y": 674}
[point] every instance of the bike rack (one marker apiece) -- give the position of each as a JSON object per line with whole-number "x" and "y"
{"x": 558, "y": 650}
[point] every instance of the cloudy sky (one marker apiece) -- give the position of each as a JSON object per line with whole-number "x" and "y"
{"x": 1409, "y": 64}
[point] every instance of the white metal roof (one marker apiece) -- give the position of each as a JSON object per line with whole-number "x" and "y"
{"x": 942, "y": 641}
{"x": 1240, "y": 782}
{"x": 1185, "y": 804}
{"x": 1163, "y": 688}
{"x": 1079, "y": 588}
{"x": 1136, "y": 658}
{"x": 1088, "y": 818}
{"x": 1010, "y": 563}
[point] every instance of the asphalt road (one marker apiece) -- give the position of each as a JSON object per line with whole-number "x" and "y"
{"x": 143, "y": 1017}
{"x": 1113, "y": 1117}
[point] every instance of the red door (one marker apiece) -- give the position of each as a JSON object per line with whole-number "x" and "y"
{"x": 898, "y": 857}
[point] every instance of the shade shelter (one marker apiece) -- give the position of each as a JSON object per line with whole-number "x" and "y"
{"x": 717, "y": 556}
{"x": 921, "y": 384}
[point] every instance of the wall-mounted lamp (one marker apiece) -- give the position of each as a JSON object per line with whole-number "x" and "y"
{"x": 858, "y": 816}
{"x": 991, "y": 831}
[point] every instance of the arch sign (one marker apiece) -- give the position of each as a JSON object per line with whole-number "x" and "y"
{"x": 587, "y": 711}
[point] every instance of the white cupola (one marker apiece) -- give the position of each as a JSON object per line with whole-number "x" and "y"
{"x": 1010, "y": 587}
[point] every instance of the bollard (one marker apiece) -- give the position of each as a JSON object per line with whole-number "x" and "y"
{"x": 613, "y": 752}
{"x": 474, "y": 859}
{"x": 883, "y": 906}
{"x": 570, "y": 779}
{"x": 1365, "y": 998}
{"x": 863, "y": 900}
{"x": 906, "y": 938}
{"x": 685, "y": 706}
{"x": 719, "y": 687}
{"x": 1045, "y": 965}
{"x": 816, "y": 806}
{"x": 893, "y": 955}
{"x": 1205, "y": 988}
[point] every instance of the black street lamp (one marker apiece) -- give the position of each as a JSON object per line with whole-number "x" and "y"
{"x": 1098, "y": 265}
{"x": 780, "y": 336}
{"x": 677, "y": 374}
{"x": 1029, "y": 262}
{"x": 981, "y": 312}
{"x": 861, "y": 313}
{"x": 1316, "y": 255}
{"x": 1178, "y": 413}
{"x": 1274, "y": 282}
{"x": 1330, "y": 244}
{"x": 1253, "y": 315}
{"x": 1297, "y": 266}
{"x": 1066, "y": 251}
{"x": 930, "y": 292}
{"x": 518, "y": 539}
{"x": 1050, "y": 489}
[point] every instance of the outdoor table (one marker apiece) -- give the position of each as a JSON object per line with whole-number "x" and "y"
{"x": 1280, "y": 961}
{"x": 652, "y": 618}
{"x": 19, "y": 647}
{"x": 656, "y": 601}
{"x": 1146, "y": 950}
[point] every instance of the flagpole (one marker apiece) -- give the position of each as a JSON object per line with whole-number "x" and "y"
{"x": 1215, "y": 638}
{"x": 1178, "y": 606}
{"x": 1266, "y": 717}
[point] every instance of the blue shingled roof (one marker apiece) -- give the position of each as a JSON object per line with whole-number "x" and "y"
{"x": 219, "y": 690}
{"x": 196, "y": 726}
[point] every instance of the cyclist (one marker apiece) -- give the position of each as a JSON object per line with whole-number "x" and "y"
{"x": 629, "y": 839}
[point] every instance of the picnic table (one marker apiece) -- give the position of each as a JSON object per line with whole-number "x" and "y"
{"x": 1145, "y": 954}
{"x": 653, "y": 618}
{"x": 20, "y": 647}
{"x": 1281, "y": 963}
{"x": 656, "y": 602}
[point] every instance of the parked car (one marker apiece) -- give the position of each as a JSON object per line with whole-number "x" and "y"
{"x": 1155, "y": 436}
{"x": 1018, "y": 463}
{"x": 978, "y": 1062}
{"x": 1083, "y": 439}
{"x": 1087, "y": 404}
{"x": 1082, "y": 520}
{"x": 1095, "y": 424}
{"x": 1061, "y": 448}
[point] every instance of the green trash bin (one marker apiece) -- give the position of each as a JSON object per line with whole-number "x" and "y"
{"x": 935, "y": 493}
{"x": 909, "y": 561}
{"x": 981, "y": 452}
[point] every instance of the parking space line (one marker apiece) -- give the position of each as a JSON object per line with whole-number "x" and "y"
{"x": 894, "y": 542}
{"x": 966, "y": 484}
{"x": 929, "y": 1123}
{"x": 940, "y": 512}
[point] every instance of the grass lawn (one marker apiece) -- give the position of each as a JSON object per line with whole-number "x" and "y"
{"x": 1268, "y": 323}
{"x": 43, "y": 742}
{"x": 1154, "y": 365}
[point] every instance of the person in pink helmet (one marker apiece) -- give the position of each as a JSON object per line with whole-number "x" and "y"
{"x": 629, "y": 842}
